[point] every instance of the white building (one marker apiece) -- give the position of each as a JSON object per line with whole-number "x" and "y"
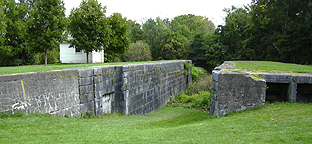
{"x": 73, "y": 55}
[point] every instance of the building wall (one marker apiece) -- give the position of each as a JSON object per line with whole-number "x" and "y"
{"x": 69, "y": 55}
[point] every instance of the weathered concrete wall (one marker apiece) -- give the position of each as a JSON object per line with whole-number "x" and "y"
{"x": 132, "y": 89}
{"x": 54, "y": 92}
{"x": 233, "y": 91}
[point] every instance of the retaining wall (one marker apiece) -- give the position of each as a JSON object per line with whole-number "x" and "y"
{"x": 131, "y": 89}
{"x": 53, "y": 92}
{"x": 234, "y": 89}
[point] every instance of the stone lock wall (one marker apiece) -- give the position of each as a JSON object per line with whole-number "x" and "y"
{"x": 148, "y": 87}
{"x": 131, "y": 89}
{"x": 54, "y": 92}
{"x": 235, "y": 91}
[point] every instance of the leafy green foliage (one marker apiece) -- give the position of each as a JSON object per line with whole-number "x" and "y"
{"x": 119, "y": 37}
{"x": 197, "y": 94}
{"x": 46, "y": 25}
{"x": 88, "y": 27}
{"x": 154, "y": 36}
{"x": 13, "y": 50}
{"x": 175, "y": 46}
{"x": 139, "y": 51}
{"x": 2, "y": 23}
{"x": 135, "y": 32}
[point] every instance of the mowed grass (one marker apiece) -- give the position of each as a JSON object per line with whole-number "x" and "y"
{"x": 272, "y": 123}
{"x": 50, "y": 67}
{"x": 273, "y": 66}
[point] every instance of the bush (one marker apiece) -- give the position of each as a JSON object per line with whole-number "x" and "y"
{"x": 197, "y": 94}
{"x": 197, "y": 72}
{"x": 53, "y": 57}
{"x": 139, "y": 51}
{"x": 202, "y": 81}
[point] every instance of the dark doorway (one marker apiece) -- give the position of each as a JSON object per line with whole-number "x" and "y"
{"x": 276, "y": 92}
{"x": 304, "y": 93}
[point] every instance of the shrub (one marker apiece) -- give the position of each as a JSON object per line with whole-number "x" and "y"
{"x": 197, "y": 72}
{"x": 197, "y": 94}
{"x": 202, "y": 81}
{"x": 139, "y": 51}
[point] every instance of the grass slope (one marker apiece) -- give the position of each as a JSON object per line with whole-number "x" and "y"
{"x": 40, "y": 68}
{"x": 272, "y": 123}
{"x": 273, "y": 66}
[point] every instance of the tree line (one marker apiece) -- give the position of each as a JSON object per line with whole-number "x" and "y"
{"x": 275, "y": 30}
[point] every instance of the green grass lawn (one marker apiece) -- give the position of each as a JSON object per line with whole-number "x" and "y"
{"x": 272, "y": 123}
{"x": 40, "y": 68}
{"x": 273, "y": 66}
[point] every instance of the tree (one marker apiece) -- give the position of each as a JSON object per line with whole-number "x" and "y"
{"x": 232, "y": 34}
{"x": 135, "y": 33}
{"x": 15, "y": 37}
{"x": 88, "y": 27}
{"x": 46, "y": 26}
{"x": 2, "y": 22}
{"x": 280, "y": 30}
{"x": 189, "y": 25}
{"x": 139, "y": 51}
{"x": 175, "y": 46}
{"x": 154, "y": 35}
{"x": 198, "y": 50}
{"x": 119, "y": 37}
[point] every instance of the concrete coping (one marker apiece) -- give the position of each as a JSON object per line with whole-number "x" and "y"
{"x": 271, "y": 77}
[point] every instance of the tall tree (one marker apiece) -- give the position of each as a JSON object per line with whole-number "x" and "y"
{"x": 136, "y": 31}
{"x": 198, "y": 49}
{"x": 2, "y": 22}
{"x": 88, "y": 27}
{"x": 154, "y": 36}
{"x": 46, "y": 26}
{"x": 119, "y": 37}
{"x": 15, "y": 36}
{"x": 232, "y": 34}
{"x": 175, "y": 46}
{"x": 189, "y": 25}
{"x": 280, "y": 30}
{"x": 3, "y": 50}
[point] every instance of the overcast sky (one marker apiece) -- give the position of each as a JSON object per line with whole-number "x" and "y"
{"x": 140, "y": 10}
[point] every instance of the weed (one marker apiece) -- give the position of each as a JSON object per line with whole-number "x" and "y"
{"x": 12, "y": 114}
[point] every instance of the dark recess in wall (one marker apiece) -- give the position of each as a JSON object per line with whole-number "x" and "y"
{"x": 304, "y": 93}
{"x": 276, "y": 92}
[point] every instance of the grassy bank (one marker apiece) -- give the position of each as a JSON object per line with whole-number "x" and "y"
{"x": 273, "y": 123}
{"x": 273, "y": 66}
{"x": 40, "y": 68}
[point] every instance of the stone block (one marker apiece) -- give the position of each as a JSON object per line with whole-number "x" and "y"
{"x": 84, "y": 73}
{"x": 87, "y": 107}
{"x": 277, "y": 78}
{"x": 85, "y": 81}
{"x": 215, "y": 74}
{"x": 303, "y": 79}
{"x": 86, "y": 89}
